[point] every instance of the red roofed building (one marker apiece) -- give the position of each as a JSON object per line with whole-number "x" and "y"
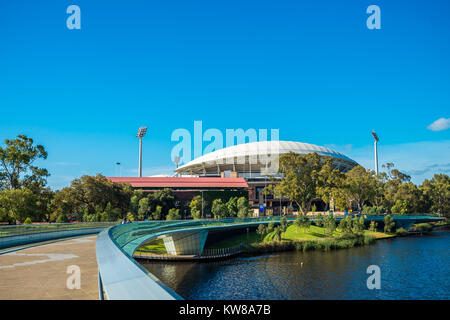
{"x": 185, "y": 188}
{"x": 183, "y": 183}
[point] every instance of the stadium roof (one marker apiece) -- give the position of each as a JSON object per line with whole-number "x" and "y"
{"x": 237, "y": 158}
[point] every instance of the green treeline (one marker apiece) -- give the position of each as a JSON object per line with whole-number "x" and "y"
{"x": 309, "y": 177}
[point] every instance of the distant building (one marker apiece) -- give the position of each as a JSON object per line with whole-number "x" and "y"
{"x": 244, "y": 169}
{"x": 257, "y": 163}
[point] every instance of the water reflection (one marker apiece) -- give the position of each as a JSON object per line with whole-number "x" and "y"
{"x": 411, "y": 268}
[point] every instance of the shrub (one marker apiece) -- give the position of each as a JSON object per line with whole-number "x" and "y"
{"x": 262, "y": 230}
{"x": 401, "y": 232}
{"x": 173, "y": 214}
{"x": 422, "y": 227}
{"x": 27, "y": 221}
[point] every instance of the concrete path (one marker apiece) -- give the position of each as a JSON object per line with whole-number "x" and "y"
{"x": 47, "y": 271}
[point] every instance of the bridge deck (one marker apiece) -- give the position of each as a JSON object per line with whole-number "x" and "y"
{"x": 40, "y": 272}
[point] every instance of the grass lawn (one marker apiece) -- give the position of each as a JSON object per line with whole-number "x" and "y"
{"x": 156, "y": 246}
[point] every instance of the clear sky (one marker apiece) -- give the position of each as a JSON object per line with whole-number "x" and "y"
{"x": 311, "y": 69}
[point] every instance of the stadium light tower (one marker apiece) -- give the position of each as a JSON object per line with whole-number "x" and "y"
{"x": 375, "y": 137}
{"x": 141, "y": 133}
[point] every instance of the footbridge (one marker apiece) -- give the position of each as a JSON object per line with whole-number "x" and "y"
{"x": 121, "y": 277}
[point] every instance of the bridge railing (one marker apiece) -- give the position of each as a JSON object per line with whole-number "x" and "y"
{"x": 11, "y": 236}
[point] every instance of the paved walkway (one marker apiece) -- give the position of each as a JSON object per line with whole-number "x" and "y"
{"x": 41, "y": 272}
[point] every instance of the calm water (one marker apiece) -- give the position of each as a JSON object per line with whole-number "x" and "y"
{"x": 411, "y": 268}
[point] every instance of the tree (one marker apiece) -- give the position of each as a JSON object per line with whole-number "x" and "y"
{"x": 134, "y": 207}
{"x": 164, "y": 198}
{"x": 16, "y": 164}
{"x": 283, "y": 224}
{"x": 330, "y": 183}
{"x": 243, "y": 207}
{"x": 437, "y": 190}
{"x": 232, "y": 208}
{"x": 143, "y": 208}
{"x": 303, "y": 222}
{"x": 373, "y": 226}
{"x": 195, "y": 206}
{"x": 277, "y": 232}
{"x": 319, "y": 220}
{"x": 360, "y": 186}
{"x": 262, "y": 230}
{"x": 157, "y": 215}
{"x": 28, "y": 221}
{"x": 388, "y": 224}
{"x": 300, "y": 178}
{"x": 329, "y": 224}
{"x": 219, "y": 209}
{"x": 173, "y": 214}
{"x": 17, "y": 204}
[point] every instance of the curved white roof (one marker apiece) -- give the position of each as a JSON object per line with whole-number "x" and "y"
{"x": 263, "y": 148}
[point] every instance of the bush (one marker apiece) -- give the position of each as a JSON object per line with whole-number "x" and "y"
{"x": 27, "y": 221}
{"x": 173, "y": 214}
{"x": 422, "y": 227}
{"x": 401, "y": 232}
{"x": 303, "y": 222}
{"x": 61, "y": 219}
{"x": 262, "y": 230}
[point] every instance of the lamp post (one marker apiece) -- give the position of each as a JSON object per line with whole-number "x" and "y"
{"x": 375, "y": 137}
{"x": 141, "y": 133}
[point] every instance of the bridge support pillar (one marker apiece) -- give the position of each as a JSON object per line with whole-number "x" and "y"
{"x": 185, "y": 243}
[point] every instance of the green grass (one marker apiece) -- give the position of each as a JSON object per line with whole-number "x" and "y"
{"x": 155, "y": 246}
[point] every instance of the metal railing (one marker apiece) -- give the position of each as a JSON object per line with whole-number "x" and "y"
{"x": 11, "y": 236}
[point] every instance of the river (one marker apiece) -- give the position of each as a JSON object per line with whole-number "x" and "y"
{"x": 416, "y": 267}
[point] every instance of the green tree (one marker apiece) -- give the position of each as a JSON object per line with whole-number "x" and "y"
{"x": 157, "y": 215}
{"x": 195, "y": 206}
{"x": 173, "y": 214}
{"x": 389, "y": 224}
{"x": 319, "y": 220}
{"x": 17, "y": 204}
{"x": 329, "y": 225}
{"x": 373, "y": 226}
{"x": 243, "y": 207}
{"x": 360, "y": 186}
{"x": 28, "y": 221}
{"x": 277, "y": 232}
{"x": 143, "y": 208}
{"x": 232, "y": 208}
{"x": 283, "y": 224}
{"x": 437, "y": 190}
{"x": 219, "y": 209}
{"x": 303, "y": 222}
{"x": 134, "y": 207}
{"x": 301, "y": 178}
{"x": 261, "y": 230}
{"x": 17, "y": 167}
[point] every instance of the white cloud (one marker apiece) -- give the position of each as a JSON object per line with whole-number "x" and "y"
{"x": 440, "y": 124}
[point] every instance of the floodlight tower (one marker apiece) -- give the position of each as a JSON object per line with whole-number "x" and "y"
{"x": 375, "y": 137}
{"x": 141, "y": 133}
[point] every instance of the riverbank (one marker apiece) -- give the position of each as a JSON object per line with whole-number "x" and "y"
{"x": 301, "y": 239}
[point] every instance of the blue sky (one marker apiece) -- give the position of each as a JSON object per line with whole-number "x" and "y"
{"x": 311, "y": 69}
